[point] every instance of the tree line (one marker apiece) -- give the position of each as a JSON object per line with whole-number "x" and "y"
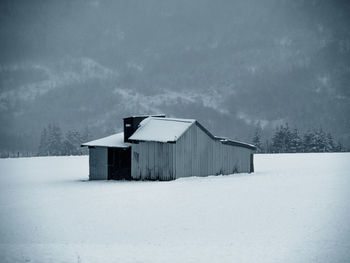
{"x": 288, "y": 140}
{"x": 54, "y": 142}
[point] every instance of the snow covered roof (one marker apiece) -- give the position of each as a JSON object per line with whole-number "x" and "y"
{"x": 115, "y": 140}
{"x": 153, "y": 115}
{"x": 236, "y": 143}
{"x": 161, "y": 129}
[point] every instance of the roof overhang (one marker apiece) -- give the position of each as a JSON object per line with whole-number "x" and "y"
{"x": 115, "y": 141}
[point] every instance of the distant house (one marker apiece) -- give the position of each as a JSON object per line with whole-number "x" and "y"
{"x": 159, "y": 148}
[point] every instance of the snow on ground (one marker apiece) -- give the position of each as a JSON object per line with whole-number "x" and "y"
{"x": 294, "y": 208}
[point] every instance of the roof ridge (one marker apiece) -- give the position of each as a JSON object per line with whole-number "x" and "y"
{"x": 173, "y": 119}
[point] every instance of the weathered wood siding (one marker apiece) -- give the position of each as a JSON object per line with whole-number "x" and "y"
{"x": 194, "y": 154}
{"x": 98, "y": 164}
{"x": 197, "y": 154}
{"x": 152, "y": 161}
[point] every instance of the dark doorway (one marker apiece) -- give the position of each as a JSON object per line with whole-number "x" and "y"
{"x": 251, "y": 163}
{"x": 119, "y": 163}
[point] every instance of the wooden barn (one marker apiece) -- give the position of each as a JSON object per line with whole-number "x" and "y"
{"x": 159, "y": 148}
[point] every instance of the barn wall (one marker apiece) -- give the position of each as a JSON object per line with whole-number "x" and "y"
{"x": 98, "y": 163}
{"x": 152, "y": 161}
{"x": 197, "y": 154}
{"x": 194, "y": 154}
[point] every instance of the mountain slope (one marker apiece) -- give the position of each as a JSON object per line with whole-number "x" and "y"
{"x": 231, "y": 65}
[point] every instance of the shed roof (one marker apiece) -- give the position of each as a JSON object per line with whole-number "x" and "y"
{"x": 161, "y": 129}
{"x": 224, "y": 140}
{"x": 115, "y": 140}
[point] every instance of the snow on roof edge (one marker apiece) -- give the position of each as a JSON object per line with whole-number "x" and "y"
{"x": 226, "y": 140}
{"x": 161, "y": 115}
{"x": 114, "y": 140}
{"x": 237, "y": 143}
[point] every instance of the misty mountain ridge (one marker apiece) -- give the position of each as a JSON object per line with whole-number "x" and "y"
{"x": 232, "y": 66}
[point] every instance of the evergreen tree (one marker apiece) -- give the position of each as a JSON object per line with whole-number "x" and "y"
{"x": 320, "y": 140}
{"x": 285, "y": 140}
{"x": 330, "y": 147}
{"x": 257, "y": 139}
{"x": 72, "y": 142}
{"x": 54, "y": 140}
{"x": 43, "y": 146}
{"x": 281, "y": 140}
{"x": 308, "y": 142}
{"x": 268, "y": 146}
{"x": 85, "y": 134}
{"x": 295, "y": 144}
{"x": 338, "y": 148}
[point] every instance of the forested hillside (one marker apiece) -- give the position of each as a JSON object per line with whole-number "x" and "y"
{"x": 232, "y": 65}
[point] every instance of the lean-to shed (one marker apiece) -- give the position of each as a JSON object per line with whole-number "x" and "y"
{"x": 159, "y": 148}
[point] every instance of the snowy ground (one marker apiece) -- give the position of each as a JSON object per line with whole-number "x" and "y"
{"x": 295, "y": 208}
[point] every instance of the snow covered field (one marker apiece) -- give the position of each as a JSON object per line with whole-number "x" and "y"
{"x": 294, "y": 208}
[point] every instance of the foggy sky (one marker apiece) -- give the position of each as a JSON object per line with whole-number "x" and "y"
{"x": 230, "y": 64}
